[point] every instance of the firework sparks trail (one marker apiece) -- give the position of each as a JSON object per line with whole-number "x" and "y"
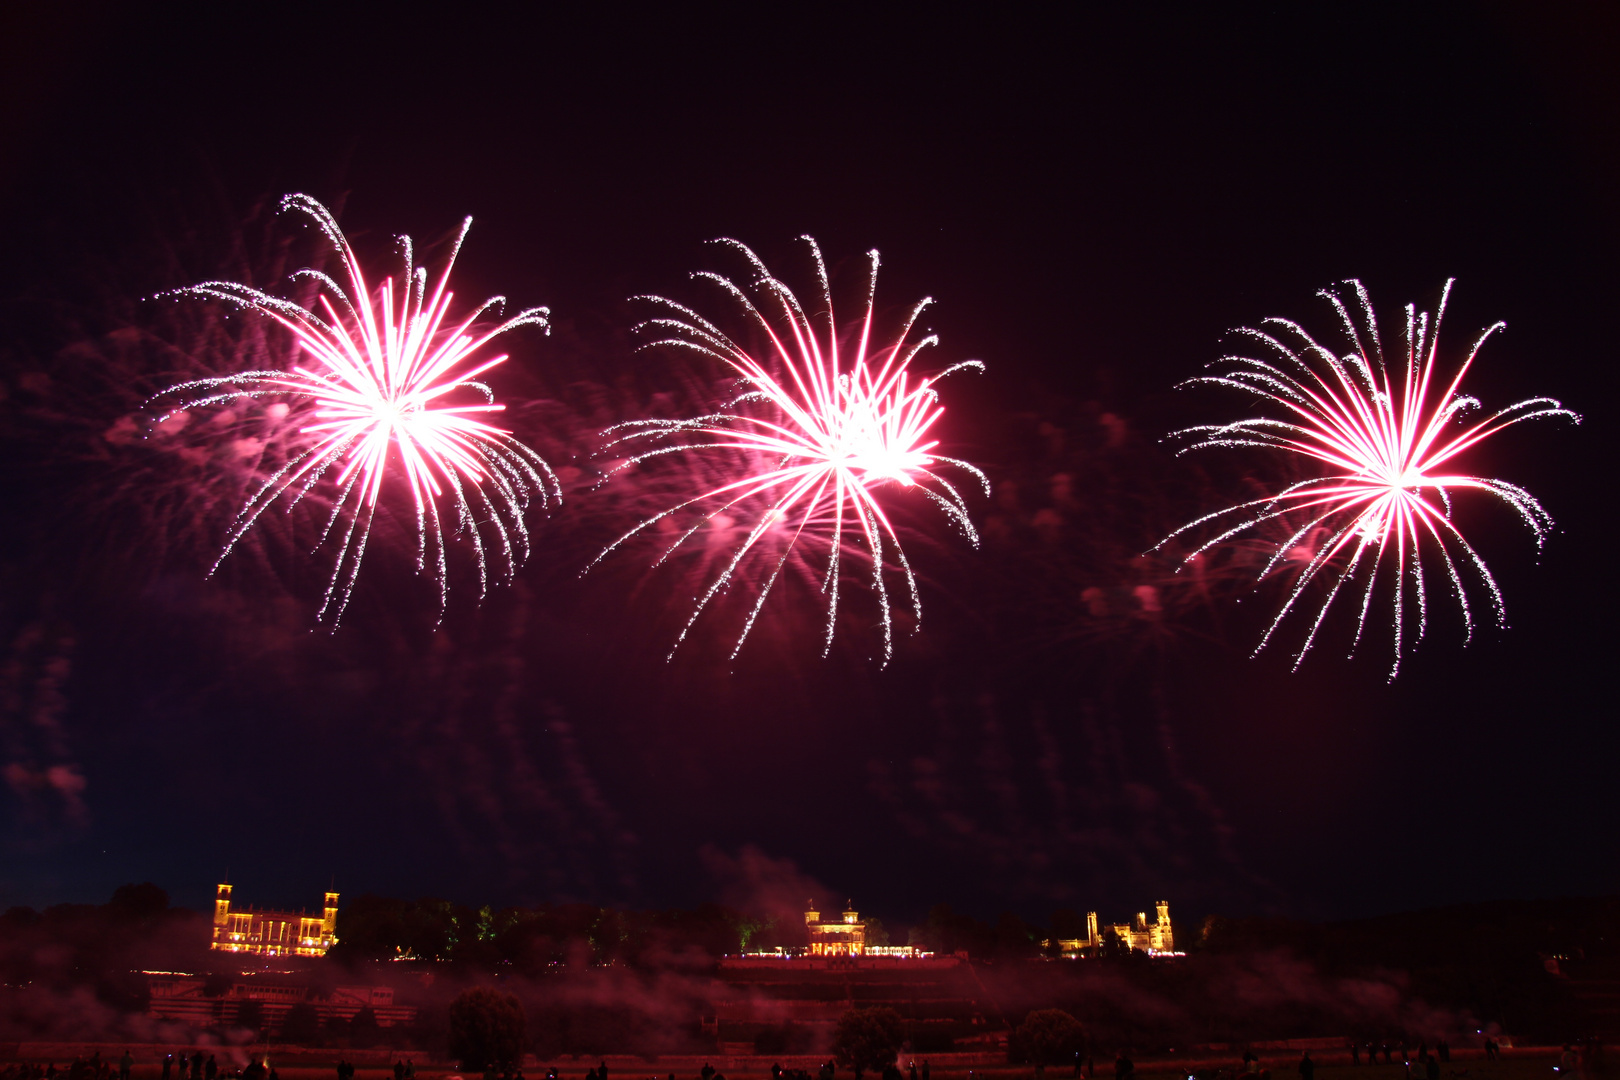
{"x": 1387, "y": 444}
{"x": 827, "y": 429}
{"x": 385, "y": 372}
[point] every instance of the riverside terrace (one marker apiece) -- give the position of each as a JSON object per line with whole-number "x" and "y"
{"x": 1278, "y": 1058}
{"x": 944, "y": 996}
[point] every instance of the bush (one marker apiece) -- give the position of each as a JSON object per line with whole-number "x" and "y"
{"x": 363, "y": 1028}
{"x": 486, "y": 1028}
{"x": 868, "y": 1038}
{"x": 250, "y": 1015}
{"x": 1048, "y": 1036}
{"x": 301, "y": 1025}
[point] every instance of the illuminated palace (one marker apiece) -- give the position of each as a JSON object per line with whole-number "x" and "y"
{"x": 273, "y": 933}
{"x": 1155, "y": 939}
{"x": 846, "y": 937}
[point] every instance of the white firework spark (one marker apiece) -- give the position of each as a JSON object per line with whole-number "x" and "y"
{"x": 1387, "y": 445}
{"x": 384, "y": 374}
{"x": 826, "y": 432}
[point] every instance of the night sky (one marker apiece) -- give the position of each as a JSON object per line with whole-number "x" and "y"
{"x": 1092, "y": 202}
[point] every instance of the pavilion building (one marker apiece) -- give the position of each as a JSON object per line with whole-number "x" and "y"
{"x": 845, "y": 937}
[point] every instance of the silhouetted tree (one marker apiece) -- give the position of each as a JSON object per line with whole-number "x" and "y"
{"x": 1068, "y": 925}
{"x": 1113, "y": 946}
{"x": 868, "y": 1038}
{"x": 946, "y": 931}
{"x": 1015, "y": 937}
{"x": 250, "y": 1015}
{"x": 363, "y": 1029}
{"x": 301, "y": 1025}
{"x": 486, "y": 1028}
{"x": 140, "y": 902}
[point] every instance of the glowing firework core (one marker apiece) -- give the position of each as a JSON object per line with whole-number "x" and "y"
{"x": 1387, "y": 445}
{"x": 382, "y": 383}
{"x": 825, "y": 429}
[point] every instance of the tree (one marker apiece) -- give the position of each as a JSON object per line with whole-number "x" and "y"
{"x": 868, "y": 1038}
{"x": 945, "y": 931}
{"x": 138, "y": 902}
{"x": 1067, "y": 925}
{"x": 1015, "y": 937}
{"x": 363, "y": 1028}
{"x": 486, "y": 1028}
{"x": 1113, "y": 946}
{"x": 1049, "y": 1036}
{"x": 301, "y": 1025}
{"x": 250, "y": 1015}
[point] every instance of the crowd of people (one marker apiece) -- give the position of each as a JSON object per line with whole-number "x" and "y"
{"x": 1577, "y": 1062}
{"x": 175, "y": 1067}
{"x": 94, "y": 1067}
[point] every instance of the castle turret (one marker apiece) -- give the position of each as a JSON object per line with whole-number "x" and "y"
{"x": 1165, "y": 940}
{"x": 222, "y": 905}
{"x": 811, "y": 915}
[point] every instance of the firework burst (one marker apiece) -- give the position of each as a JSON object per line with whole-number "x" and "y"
{"x": 393, "y": 390}
{"x": 1383, "y": 446}
{"x": 823, "y": 430}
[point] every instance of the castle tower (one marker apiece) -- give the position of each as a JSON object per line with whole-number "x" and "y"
{"x": 222, "y": 905}
{"x": 1093, "y": 937}
{"x": 811, "y": 915}
{"x": 329, "y": 917}
{"x": 850, "y": 914}
{"x": 1167, "y": 940}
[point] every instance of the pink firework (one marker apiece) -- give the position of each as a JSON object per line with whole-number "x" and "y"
{"x": 826, "y": 430}
{"x": 1385, "y": 447}
{"x": 394, "y": 391}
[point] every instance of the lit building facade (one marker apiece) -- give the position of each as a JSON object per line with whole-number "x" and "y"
{"x": 1153, "y": 938}
{"x": 846, "y": 937}
{"x": 273, "y": 933}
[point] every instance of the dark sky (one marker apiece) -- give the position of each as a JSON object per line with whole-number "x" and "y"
{"x": 1092, "y": 201}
